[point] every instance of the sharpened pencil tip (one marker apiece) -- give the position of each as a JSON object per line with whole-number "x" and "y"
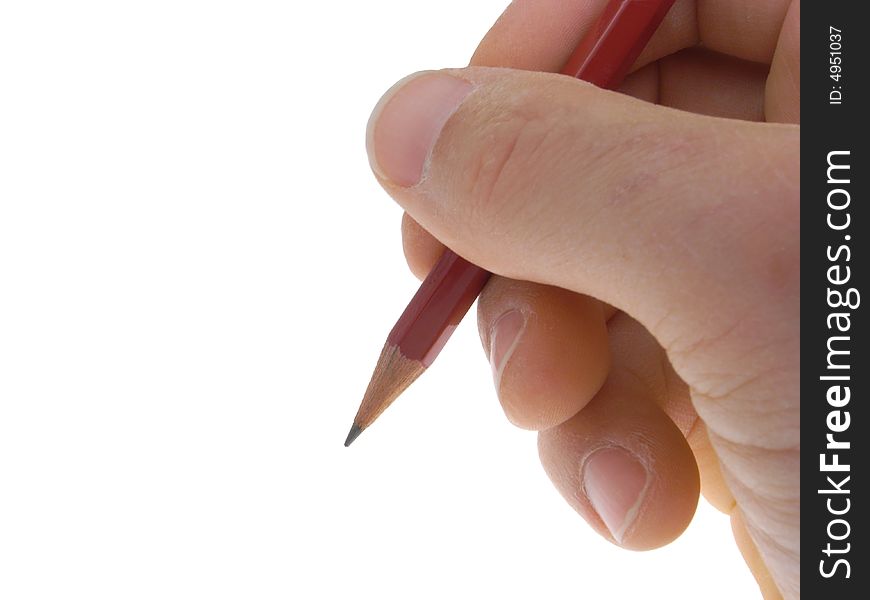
{"x": 355, "y": 430}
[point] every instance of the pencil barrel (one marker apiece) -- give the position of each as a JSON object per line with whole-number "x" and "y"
{"x": 437, "y": 308}
{"x": 614, "y": 43}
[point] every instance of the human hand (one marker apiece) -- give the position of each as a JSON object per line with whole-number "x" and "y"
{"x": 687, "y": 224}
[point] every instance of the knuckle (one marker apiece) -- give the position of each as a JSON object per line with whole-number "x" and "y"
{"x": 510, "y": 154}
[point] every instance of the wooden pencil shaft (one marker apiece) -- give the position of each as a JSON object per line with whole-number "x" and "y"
{"x": 436, "y": 309}
{"x": 614, "y": 43}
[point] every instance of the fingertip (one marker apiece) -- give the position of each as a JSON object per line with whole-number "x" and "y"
{"x": 547, "y": 347}
{"x": 624, "y": 466}
{"x": 406, "y": 123}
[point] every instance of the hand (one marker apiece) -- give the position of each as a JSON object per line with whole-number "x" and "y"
{"x": 582, "y": 200}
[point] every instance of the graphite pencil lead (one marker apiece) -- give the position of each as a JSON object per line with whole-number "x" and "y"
{"x": 355, "y": 430}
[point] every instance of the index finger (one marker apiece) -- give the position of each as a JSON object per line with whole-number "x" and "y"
{"x": 539, "y": 35}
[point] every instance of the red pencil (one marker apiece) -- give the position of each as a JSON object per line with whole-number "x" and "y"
{"x": 603, "y": 58}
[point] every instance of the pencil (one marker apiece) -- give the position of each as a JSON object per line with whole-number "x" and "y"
{"x": 603, "y": 58}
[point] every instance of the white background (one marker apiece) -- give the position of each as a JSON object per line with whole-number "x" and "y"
{"x": 197, "y": 272}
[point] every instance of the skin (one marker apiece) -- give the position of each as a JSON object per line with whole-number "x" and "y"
{"x": 651, "y": 245}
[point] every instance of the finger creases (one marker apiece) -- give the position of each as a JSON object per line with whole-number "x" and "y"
{"x": 624, "y": 466}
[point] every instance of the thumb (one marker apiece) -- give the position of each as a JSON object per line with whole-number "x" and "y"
{"x": 545, "y": 178}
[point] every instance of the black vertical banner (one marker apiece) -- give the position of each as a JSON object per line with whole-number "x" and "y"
{"x": 835, "y": 223}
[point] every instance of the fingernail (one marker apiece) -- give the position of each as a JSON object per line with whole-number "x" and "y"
{"x": 615, "y": 483}
{"x": 503, "y": 339}
{"x": 406, "y": 123}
